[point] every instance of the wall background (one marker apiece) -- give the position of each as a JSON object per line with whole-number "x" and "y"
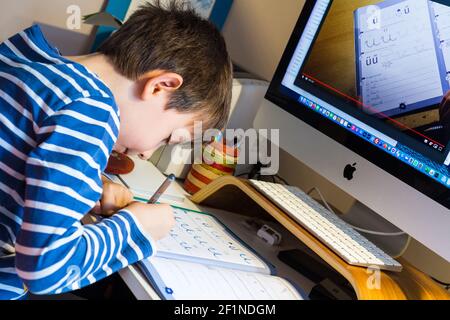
{"x": 52, "y": 15}
{"x": 257, "y": 32}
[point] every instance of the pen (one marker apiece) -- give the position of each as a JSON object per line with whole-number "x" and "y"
{"x": 118, "y": 177}
{"x": 162, "y": 189}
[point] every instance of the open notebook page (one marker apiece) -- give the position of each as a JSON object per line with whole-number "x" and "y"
{"x": 145, "y": 179}
{"x": 398, "y": 56}
{"x": 191, "y": 281}
{"x": 200, "y": 236}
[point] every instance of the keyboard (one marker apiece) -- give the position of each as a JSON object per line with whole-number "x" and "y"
{"x": 334, "y": 232}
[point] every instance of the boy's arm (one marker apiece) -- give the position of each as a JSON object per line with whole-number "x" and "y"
{"x": 54, "y": 251}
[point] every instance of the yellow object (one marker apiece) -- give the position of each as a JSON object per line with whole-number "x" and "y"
{"x": 218, "y": 160}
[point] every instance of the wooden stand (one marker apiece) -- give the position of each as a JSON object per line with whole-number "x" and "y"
{"x": 238, "y": 195}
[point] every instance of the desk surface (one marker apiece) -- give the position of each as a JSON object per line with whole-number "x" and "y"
{"x": 413, "y": 283}
{"x": 368, "y": 284}
{"x": 149, "y": 177}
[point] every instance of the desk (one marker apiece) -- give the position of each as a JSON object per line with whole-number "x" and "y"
{"x": 148, "y": 174}
{"x": 409, "y": 284}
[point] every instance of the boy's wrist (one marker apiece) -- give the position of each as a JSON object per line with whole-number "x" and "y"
{"x": 139, "y": 232}
{"x": 105, "y": 178}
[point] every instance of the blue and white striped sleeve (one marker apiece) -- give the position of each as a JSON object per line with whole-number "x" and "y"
{"x": 55, "y": 253}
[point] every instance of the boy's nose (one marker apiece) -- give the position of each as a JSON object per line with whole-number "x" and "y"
{"x": 119, "y": 148}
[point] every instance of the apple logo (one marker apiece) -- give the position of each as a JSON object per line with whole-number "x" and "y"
{"x": 349, "y": 170}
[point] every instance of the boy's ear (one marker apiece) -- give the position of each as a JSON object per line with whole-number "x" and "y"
{"x": 160, "y": 82}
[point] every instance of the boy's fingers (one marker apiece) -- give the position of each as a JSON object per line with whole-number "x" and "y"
{"x": 97, "y": 208}
{"x": 129, "y": 198}
{"x": 108, "y": 204}
{"x": 114, "y": 198}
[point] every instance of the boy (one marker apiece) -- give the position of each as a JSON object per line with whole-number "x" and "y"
{"x": 59, "y": 121}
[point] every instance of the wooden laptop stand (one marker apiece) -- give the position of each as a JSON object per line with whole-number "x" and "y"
{"x": 237, "y": 195}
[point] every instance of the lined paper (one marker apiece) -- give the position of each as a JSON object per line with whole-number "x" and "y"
{"x": 199, "y": 236}
{"x": 191, "y": 281}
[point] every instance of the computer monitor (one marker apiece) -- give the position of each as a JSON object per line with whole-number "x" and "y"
{"x": 359, "y": 98}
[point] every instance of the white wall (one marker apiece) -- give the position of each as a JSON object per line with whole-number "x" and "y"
{"x": 17, "y": 15}
{"x": 257, "y": 31}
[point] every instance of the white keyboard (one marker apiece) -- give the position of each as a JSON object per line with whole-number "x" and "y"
{"x": 327, "y": 227}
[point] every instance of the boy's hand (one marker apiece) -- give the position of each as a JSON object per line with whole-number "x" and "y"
{"x": 156, "y": 219}
{"x": 114, "y": 198}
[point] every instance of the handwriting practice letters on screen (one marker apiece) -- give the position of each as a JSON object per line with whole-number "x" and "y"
{"x": 400, "y": 63}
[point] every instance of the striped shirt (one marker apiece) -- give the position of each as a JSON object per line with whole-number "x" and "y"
{"x": 58, "y": 125}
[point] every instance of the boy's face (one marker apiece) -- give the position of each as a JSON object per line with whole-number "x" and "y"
{"x": 146, "y": 123}
{"x": 141, "y": 133}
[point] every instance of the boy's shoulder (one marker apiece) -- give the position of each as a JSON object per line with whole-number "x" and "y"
{"x": 28, "y": 58}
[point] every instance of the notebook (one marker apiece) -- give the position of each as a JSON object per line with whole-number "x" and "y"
{"x": 402, "y": 50}
{"x": 203, "y": 260}
{"x": 144, "y": 180}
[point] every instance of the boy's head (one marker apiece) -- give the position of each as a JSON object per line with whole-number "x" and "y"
{"x": 180, "y": 70}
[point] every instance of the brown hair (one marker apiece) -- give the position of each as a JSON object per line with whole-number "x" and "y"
{"x": 176, "y": 39}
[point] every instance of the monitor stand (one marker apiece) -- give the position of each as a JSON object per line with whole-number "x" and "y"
{"x": 363, "y": 217}
{"x": 238, "y": 195}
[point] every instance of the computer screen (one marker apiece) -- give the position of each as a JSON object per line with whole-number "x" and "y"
{"x": 375, "y": 76}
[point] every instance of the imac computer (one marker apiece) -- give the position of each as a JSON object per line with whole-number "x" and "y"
{"x": 362, "y": 97}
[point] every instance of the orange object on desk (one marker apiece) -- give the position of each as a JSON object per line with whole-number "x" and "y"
{"x": 119, "y": 163}
{"x": 218, "y": 159}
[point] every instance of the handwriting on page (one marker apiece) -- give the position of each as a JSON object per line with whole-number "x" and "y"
{"x": 200, "y": 235}
{"x": 442, "y": 18}
{"x": 398, "y": 61}
{"x": 196, "y": 281}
